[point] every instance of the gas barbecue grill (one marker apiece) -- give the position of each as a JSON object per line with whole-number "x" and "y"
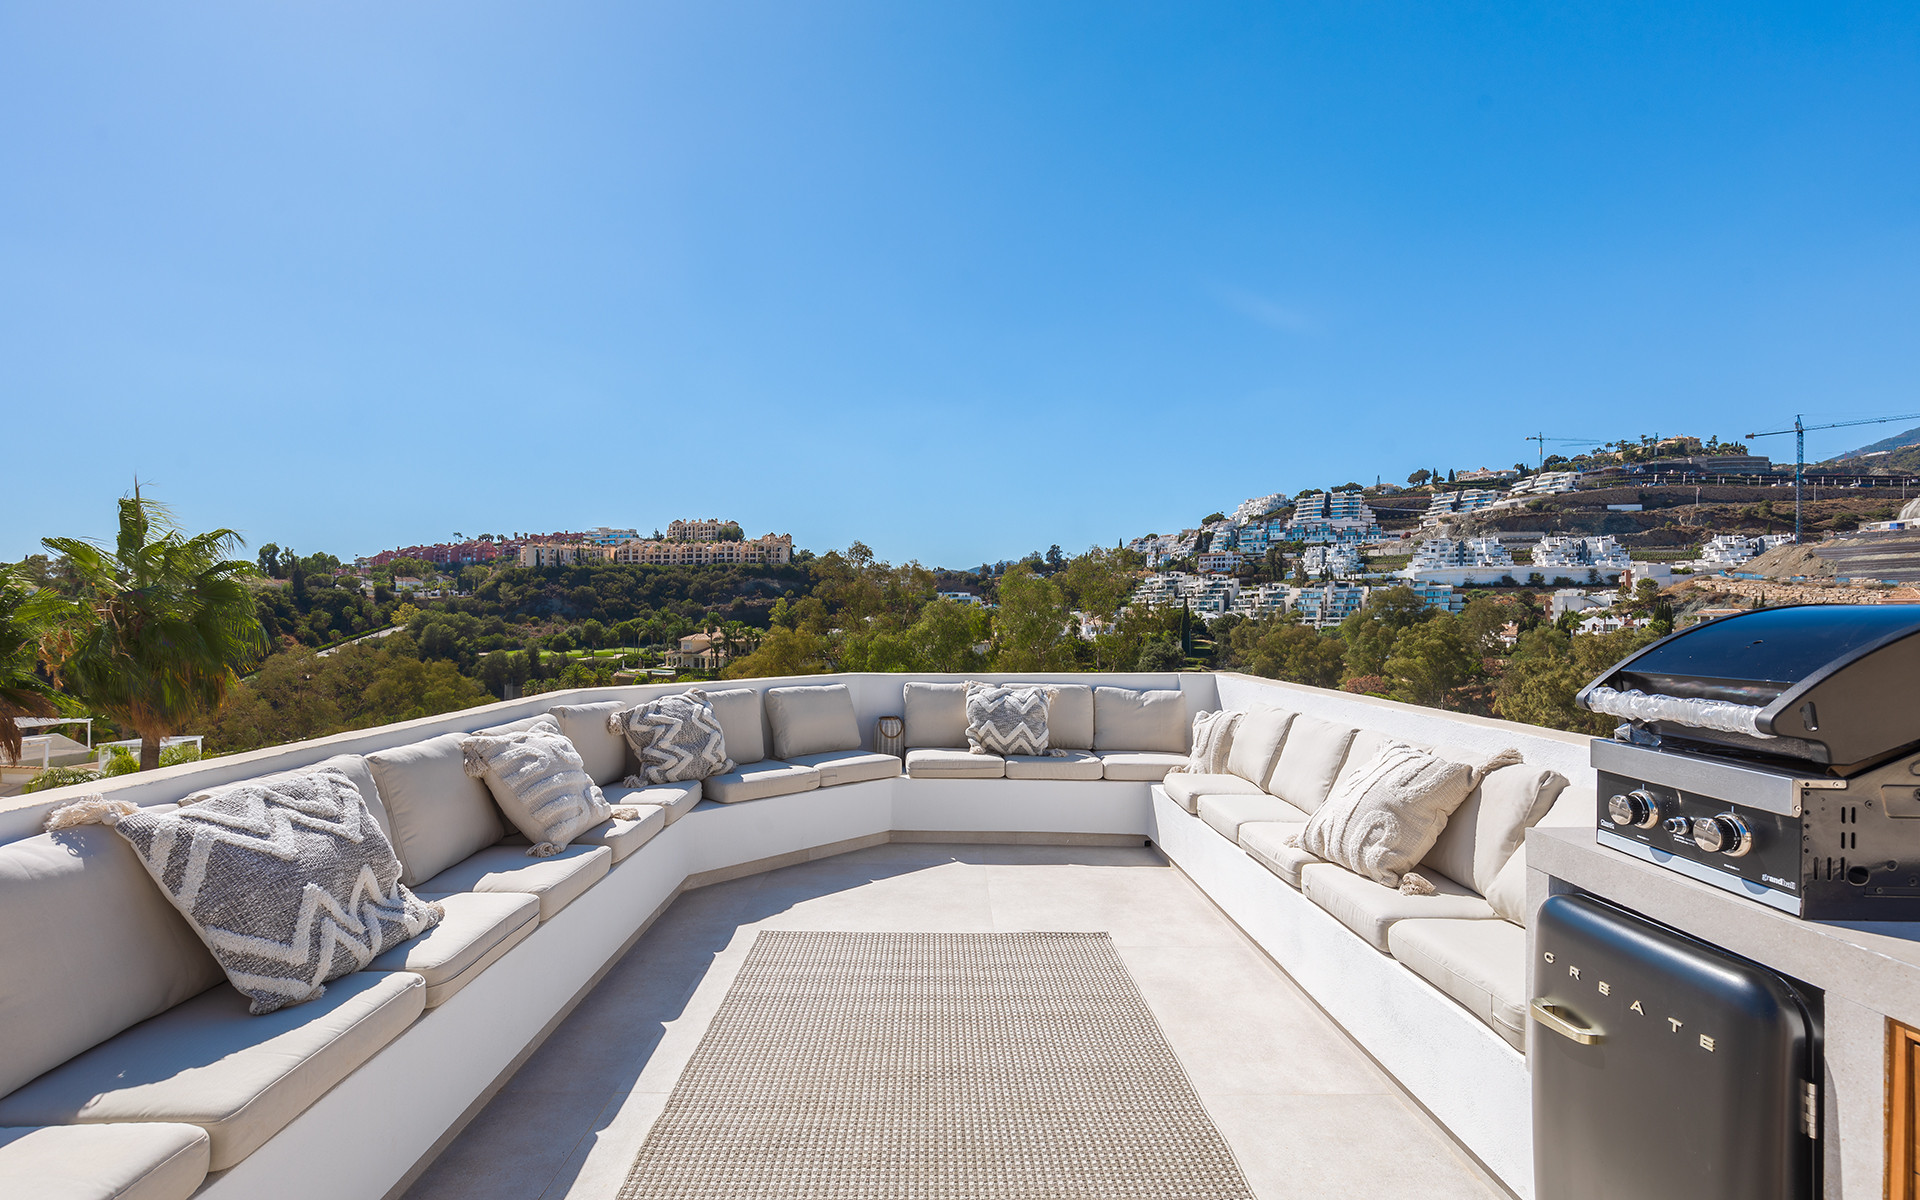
{"x": 1775, "y": 754}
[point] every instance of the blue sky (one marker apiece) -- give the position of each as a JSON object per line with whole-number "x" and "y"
{"x": 958, "y": 280}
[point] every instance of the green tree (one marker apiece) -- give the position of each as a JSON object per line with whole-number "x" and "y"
{"x": 1100, "y": 581}
{"x": 1031, "y": 631}
{"x": 944, "y": 637}
{"x": 1161, "y": 653}
{"x": 23, "y": 693}
{"x": 1430, "y": 661}
{"x": 1371, "y": 632}
{"x": 151, "y": 632}
{"x": 1283, "y": 648}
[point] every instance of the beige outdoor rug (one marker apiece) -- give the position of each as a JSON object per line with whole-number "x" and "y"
{"x": 943, "y": 1066}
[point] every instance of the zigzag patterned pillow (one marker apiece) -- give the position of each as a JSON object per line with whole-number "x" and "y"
{"x": 290, "y": 884}
{"x": 676, "y": 738}
{"x": 539, "y": 780}
{"x": 1007, "y": 720}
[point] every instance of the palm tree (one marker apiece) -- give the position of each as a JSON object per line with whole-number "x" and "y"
{"x": 23, "y": 693}
{"x": 151, "y": 632}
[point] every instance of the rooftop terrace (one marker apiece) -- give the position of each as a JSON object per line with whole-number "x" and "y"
{"x": 1342, "y": 1037}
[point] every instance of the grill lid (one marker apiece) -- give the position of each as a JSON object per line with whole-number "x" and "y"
{"x": 1828, "y": 683}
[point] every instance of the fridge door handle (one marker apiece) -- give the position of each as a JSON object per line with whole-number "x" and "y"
{"x": 1550, "y": 1016}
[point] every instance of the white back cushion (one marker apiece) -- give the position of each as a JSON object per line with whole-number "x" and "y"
{"x": 1508, "y": 892}
{"x": 812, "y": 720}
{"x": 602, "y": 750}
{"x": 1309, "y": 761}
{"x": 1070, "y": 716}
{"x": 1493, "y": 822}
{"x": 90, "y": 946}
{"x": 1130, "y": 719}
{"x": 738, "y": 711}
{"x": 439, "y": 815}
{"x": 935, "y": 715}
{"x": 1256, "y": 743}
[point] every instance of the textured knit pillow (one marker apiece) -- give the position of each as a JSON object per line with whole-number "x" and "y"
{"x": 1006, "y": 720}
{"x": 676, "y": 738}
{"x": 289, "y": 883}
{"x": 1212, "y": 741}
{"x": 540, "y": 782}
{"x": 1383, "y": 818}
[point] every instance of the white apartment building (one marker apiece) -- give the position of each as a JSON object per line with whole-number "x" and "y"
{"x": 1218, "y": 562}
{"x": 770, "y": 550}
{"x": 1259, "y": 506}
{"x": 1327, "y": 604}
{"x": 603, "y": 536}
{"x": 697, "y": 531}
{"x": 1211, "y": 595}
{"x": 967, "y": 598}
{"x": 1732, "y": 549}
{"x": 1483, "y": 475}
{"x": 1557, "y": 557}
{"x": 563, "y": 554}
{"x": 1444, "y": 505}
{"x": 1459, "y": 562}
{"x": 1334, "y": 561}
{"x": 1544, "y": 483}
{"x": 1331, "y": 517}
{"x": 1567, "y": 600}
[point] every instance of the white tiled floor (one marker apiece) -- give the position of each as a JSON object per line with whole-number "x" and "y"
{"x": 1307, "y": 1114}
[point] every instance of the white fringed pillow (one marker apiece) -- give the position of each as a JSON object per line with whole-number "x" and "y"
{"x": 1386, "y": 816}
{"x": 1212, "y": 743}
{"x": 540, "y": 782}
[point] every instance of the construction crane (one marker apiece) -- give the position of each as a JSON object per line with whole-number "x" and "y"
{"x": 1799, "y": 432}
{"x": 1543, "y": 439}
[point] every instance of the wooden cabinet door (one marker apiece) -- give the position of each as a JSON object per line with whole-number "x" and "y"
{"x": 1903, "y": 1113}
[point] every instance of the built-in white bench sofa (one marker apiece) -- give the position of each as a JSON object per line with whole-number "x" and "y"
{"x": 128, "y": 1067}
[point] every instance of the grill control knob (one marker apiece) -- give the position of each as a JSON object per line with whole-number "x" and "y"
{"x": 1725, "y": 834}
{"x": 1639, "y": 808}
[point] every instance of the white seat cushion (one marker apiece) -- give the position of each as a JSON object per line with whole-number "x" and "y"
{"x": 1370, "y": 909}
{"x": 677, "y": 799}
{"x": 1309, "y": 759}
{"x": 1266, "y": 843}
{"x": 1482, "y": 964}
{"x": 477, "y": 929}
{"x": 1148, "y": 765}
{"x": 1185, "y": 790}
{"x": 849, "y": 766}
{"x": 1074, "y": 764}
{"x": 1226, "y": 814}
{"x": 554, "y": 881}
{"x": 145, "y": 1161}
{"x": 208, "y": 1063}
{"x": 624, "y": 835}
{"x": 928, "y": 763}
{"x": 760, "y": 780}
{"x": 811, "y": 720}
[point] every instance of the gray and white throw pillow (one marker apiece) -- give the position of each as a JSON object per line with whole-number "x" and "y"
{"x": 289, "y": 883}
{"x": 1385, "y": 817}
{"x": 540, "y": 782}
{"x": 676, "y": 738}
{"x": 1212, "y": 741}
{"x": 1002, "y": 719}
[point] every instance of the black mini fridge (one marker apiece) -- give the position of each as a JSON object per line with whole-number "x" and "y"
{"x": 1665, "y": 1068}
